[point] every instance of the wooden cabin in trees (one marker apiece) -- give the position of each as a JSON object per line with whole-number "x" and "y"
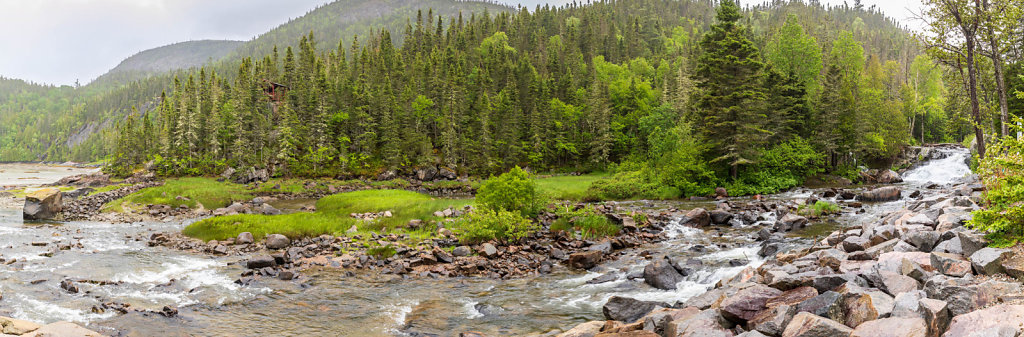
{"x": 275, "y": 91}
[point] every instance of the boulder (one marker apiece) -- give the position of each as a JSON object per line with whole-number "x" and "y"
{"x": 772, "y": 321}
{"x": 628, "y": 310}
{"x": 924, "y": 240}
{"x": 63, "y": 329}
{"x": 894, "y": 283}
{"x": 806, "y": 324}
{"x": 426, "y": 174}
{"x": 888, "y": 193}
{"x": 892, "y": 327}
{"x": 662, "y": 275}
{"x": 855, "y": 243}
{"x": 827, "y": 304}
{"x": 908, "y": 304}
{"x": 244, "y": 238}
{"x": 888, "y": 177}
{"x": 277, "y": 241}
{"x": 989, "y": 261}
{"x": 720, "y": 217}
{"x": 793, "y": 297}
{"x": 261, "y": 261}
{"x": 488, "y": 250}
{"x": 971, "y": 242}
{"x": 950, "y": 264}
{"x": 1014, "y": 266}
{"x": 746, "y": 303}
{"x": 588, "y": 329}
{"x": 266, "y": 209}
{"x": 461, "y": 251}
{"x": 13, "y": 326}
{"x": 936, "y": 316}
{"x": 585, "y": 260}
{"x": 998, "y": 321}
{"x": 42, "y": 204}
{"x": 707, "y": 323}
{"x": 697, "y": 217}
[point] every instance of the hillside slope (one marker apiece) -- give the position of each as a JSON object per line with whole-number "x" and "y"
{"x": 182, "y": 55}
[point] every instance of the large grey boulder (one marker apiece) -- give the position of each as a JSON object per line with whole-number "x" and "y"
{"x": 42, "y": 204}
{"x": 707, "y": 323}
{"x": 628, "y": 310}
{"x": 277, "y": 241}
{"x": 998, "y": 321}
{"x": 888, "y": 193}
{"x": 748, "y": 302}
{"x": 661, "y": 274}
{"x": 989, "y": 261}
{"x": 697, "y": 217}
{"x": 790, "y": 222}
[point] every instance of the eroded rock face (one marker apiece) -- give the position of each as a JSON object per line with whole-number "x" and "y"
{"x": 43, "y": 204}
{"x": 998, "y": 321}
{"x": 748, "y": 302}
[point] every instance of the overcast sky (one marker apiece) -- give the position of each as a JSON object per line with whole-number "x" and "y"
{"x": 60, "y": 41}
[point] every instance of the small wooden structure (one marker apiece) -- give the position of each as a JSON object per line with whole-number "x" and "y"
{"x": 275, "y": 91}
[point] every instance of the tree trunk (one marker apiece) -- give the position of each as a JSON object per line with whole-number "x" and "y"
{"x": 1004, "y": 116}
{"x": 972, "y": 74}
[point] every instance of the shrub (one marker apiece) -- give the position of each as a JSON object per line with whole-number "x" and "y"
{"x": 381, "y": 252}
{"x": 486, "y": 224}
{"x": 514, "y": 191}
{"x": 819, "y": 208}
{"x": 630, "y": 185}
{"x": 1002, "y": 172}
{"x": 590, "y": 223}
{"x": 784, "y": 166}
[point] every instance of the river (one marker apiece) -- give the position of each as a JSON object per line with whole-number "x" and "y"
{"x": 336, "y": 303}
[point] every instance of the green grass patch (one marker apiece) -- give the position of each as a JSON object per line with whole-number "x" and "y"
{"x": 206, "y": 191}
{"x": 332, "y": 216}
{"x": 568, "y": 187}
{"x": 818, "y": 209}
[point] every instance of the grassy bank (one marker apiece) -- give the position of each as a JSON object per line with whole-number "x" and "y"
{"x": 206, "y": 191}
{"x": 332, "y": 216}
{"x": 568, "y": 187}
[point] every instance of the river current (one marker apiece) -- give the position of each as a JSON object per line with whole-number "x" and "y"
{"x": 112, "y": 263}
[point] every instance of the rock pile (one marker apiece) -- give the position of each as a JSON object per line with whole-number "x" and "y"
{"x": 87, "y": 207}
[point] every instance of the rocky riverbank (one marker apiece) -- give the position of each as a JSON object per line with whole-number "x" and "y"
{"x": 916, "y": 272}
{"x": 17, "y": 327}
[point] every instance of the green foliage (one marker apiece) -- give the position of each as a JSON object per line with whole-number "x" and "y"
{"x": 631, "y": 185}
{"x": 208, "y": 192}
{"x": 381, "y": 252}
{"x": 1002, "y": 172}
{"x": 780, "y": 167}
{"x": 567, "y": 187}
{"x": 590, "y": 223}
{"x": 514, "y": 191}
{"x": 484, "y": 224}
{"x": 332, "y": 216}
{"x": 819, "y": 208}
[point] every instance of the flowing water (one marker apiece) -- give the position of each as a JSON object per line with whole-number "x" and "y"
{"x": 331, "y": 302}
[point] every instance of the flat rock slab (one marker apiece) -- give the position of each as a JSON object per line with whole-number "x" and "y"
{"x": 806, "y": 324}
{"x": 62, "y": 329}
{"x": 998, "y": 321}
{"x": 892, "y": 327}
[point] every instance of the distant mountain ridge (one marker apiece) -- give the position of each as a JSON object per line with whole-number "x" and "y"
{"x": 181, "y": 55}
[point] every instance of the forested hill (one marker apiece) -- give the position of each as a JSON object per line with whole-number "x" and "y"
{"x": 182, "y": 55}
{"x": 342, "y": 20}
{"x": 67, "y": 123}
{"x": 684, "y": 94}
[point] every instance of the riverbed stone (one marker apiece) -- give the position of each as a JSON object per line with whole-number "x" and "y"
{"x": 62, "y": 329}
{"x": 13, "y": 326}
{"x": 772, "y": 321}
{"x": 585, "y": 260}
{"x": 588, "y": 329}
{"x": 998, "y": 321}
{"x": 42, "y": 204}
{"x": 746, "y": 303}
{"x": 806, "y": 324}
{"x": 488, "y": 250}
{"x": 461, "y": 251}
{"x": 628, "y": 310}
{"x": 277, "y": 241}
{"x": 888, "y": 193}
{"x": 855, "y": 243}
{"x": 707, "y": 323}
{"x": 892, "y": 327}
{"x": 261, "y": 261}
{"x": 924, "y": 240}
{"x": 661, "y": 274}
{"x": 989, "y": 261}
{"x": 793, "y": 297}
{"x": 697, "y": 217}
{"x": 244, "y": 238}
{"x": 790, "y": 222}
{"x": 720, "y": 217}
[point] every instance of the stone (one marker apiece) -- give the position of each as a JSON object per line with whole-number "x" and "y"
{"x": 855, "y": 243}
{"x": 42, "y": 204}
{"x": 661, "y": 274}
{"x": 832, "y": 258}
{"x": 793, "y": 297}
{"x": 588, "y": 329}
{"x": 894, "y": 284}
{"x": 858, "y": 308}
{"x": 888, "y": 193}
{"x": 461, "y": 251}
{"x": 923, "y": 240}
{"x": 628, "y": 310}
{"x": 1014, "y": 266}
{"x": 488, "y": 250}
{"x": 69, "y": 286}
{"x": 697, "y": 217}
{"x": 989, "y": 261}
{"x": 62, "y": 329}
{"x": 746, "y": 303}
{"x": 720, "y": 217}
{"x": 998, "y": 321}
{"x": 261, "y": 261}
{"x": 908, "y": 304}
{"x": 936, "y": 316}
{"x": 13, "y": 326}
{"x": 244, "y": 238}
{"x": 790, "y": 222}
{"x": 827, "y": 304}
{"x": 914, "y": 270}
{"x": 825, "y": 283}
{"x": 443, "y": 256}
{"x": 773, "y": 320}
{"x": 707, "y": 323}
{"x": 888, "y": 177}
{"x": 950, "y": 264}
{"x": 971, "y": 242}
{"x": 585, "y": 260}
{"x": 277, "y": 241}
{"x": 951, "y": 246}
{"x": 892, "y": 327}
{"x": 885, "y": 247}
{"x": 806, "y": 324}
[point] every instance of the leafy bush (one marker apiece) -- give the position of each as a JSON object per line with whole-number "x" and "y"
{"x": 630, "y": 185}
{"x": 590, "y": 223}
{"x": 1002, "y": 172}
{"x": 781, "y": 167}
{"x": 819, "y": 208}
{"x": 514, "y": 191}
{"x": 486, "y": 224}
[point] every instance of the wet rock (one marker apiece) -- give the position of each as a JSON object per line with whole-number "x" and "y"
{"x": 720, "y": 217}
{"x": 585, "y": 260}
{"x": 13, "y": 326}
{"x": 63, "y": 329}
{"x": 169, "y": 311}
{"x": 661, "y": 274}
{"x": 69, "y": 286}
{"x": 806, "y": 324}
{"x": 892, "y": 327}
{"x": 277, "y": 241}
{"x": 43, "y": 204}
{"x": 261, "y": 261}
{"x": 605, "y": 278}
{"x": 888, "y": 177}
{"x": 628, "y": 310}
{"x": 998, "y": 321}
{"x": 698, "y": 217}
{"x": 888, "y": 193}
{"x": 790, "y": 222}
{"x": 244, "y": 238}
{"x": 989, "y": 261}
{"x": 746, "y": 303}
